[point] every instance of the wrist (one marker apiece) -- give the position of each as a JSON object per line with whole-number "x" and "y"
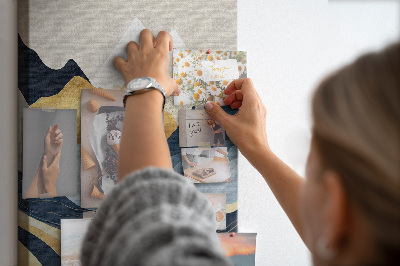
{"x": 49, "y": 156}
{"x": 50, "y": 188}
{"x": 256, "y": 151}
{"x": 143, "y": 85}
{"x": 152, "y": 98}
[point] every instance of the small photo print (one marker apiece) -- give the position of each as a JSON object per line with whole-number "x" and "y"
{"x": 204, "y": 75}
{"x": 218, "y": 201}
{"x": 50, "y": 153}
{"x": 198, "y": 128}
{"x": 239, "y": 247}
{"x": 206, "y": 165}
{"x": 72, "y": 234}
{"x": 102, "y": 115}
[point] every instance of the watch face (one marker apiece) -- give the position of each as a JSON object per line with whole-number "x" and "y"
{"x": 140, "y": 83}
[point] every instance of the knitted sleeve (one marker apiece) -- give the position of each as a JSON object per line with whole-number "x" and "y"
{"x": 153, "y": 217}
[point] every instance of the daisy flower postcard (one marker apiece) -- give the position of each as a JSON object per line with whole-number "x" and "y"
{"x": 203, "y": 75}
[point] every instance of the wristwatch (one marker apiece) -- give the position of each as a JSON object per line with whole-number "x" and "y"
{"x": 142, "y": 85}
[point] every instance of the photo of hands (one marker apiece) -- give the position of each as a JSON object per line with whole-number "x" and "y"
{"x": 206, "y": 165}
{"x": 49, "y": 153}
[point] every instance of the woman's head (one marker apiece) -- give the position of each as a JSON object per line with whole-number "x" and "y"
{"x": 354, "y": 163}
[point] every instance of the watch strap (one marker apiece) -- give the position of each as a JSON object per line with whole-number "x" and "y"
{"x": 154, "y": 85}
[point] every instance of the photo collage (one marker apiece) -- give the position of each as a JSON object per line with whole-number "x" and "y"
{"x": 203, "y": 76}
{"x": 55, "y": 139}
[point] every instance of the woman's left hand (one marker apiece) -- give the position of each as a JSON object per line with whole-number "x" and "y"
{"x": 149, "y": 59}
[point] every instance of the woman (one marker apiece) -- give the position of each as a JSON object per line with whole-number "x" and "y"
{"x": 349, "y": 203}
{"x": 217, "y": 129}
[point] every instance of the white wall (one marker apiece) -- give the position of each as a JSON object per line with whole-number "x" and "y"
{"x": 291, "y": 45}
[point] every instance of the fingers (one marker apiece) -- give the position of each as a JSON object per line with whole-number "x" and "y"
{"x": 234, "y": 85}
{"x": 164, "y": 41}
{"x": 131, "y": 48}
{"x": 217, "y": 113}
{"x": 119, "y": 63}
{"x": 234, "y": 99}
{"x": 59, "y": 136}
{"x": 248, "y": 92}
{"x": 177, "y": 92}
{"x": 236, "y": 105}
{"x": 48, "y": 131}
{"x": 56, "y": 126}
{"x": 146, "y": 39}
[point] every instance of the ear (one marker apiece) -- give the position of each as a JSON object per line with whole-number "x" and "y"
{"x": 337, "y": 215}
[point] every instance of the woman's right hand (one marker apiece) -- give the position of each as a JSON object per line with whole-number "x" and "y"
{"x": 53, "y": 142}
{"x": 50, "y": 173}
{"x": 247, "y": 128}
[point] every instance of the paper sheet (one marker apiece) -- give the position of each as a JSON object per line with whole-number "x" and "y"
{"x": 204, "y": 76}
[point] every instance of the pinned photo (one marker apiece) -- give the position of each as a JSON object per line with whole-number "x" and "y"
{"x": 102, "y": 115}
{"x": 239, "y": 247}
{"x": 72, "y": 234}
{"x": 218, "y": 201}
{"x": 204, "y": 76}
{"x": 206, "y": 165}
{"x": 50, "y": 163}
{"x": 198, "y": 129}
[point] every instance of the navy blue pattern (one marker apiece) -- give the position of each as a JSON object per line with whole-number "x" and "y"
{"x": 43, "y": 253}
{"x": 36, "y": 80}
{"x": 50, "y": 210}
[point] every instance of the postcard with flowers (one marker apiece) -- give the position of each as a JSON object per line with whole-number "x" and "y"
{"x": 203, "y": 75}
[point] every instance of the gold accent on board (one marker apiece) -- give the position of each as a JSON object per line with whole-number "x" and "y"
{"x": 25, "y": 257}
{"x": 51, "y": 241}
{"x": 231, "y": 207}
{"x": 170, "y": 124}
{"x": 68, "y": 98}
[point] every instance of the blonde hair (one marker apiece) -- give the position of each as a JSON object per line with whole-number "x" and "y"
{"x": 356, "y": 130}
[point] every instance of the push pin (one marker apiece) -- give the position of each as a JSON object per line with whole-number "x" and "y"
{"x": 208, "y": 51}
{"x": 232, "y": 234}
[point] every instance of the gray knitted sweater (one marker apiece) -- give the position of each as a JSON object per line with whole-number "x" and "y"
{"x": 154, "y": 217}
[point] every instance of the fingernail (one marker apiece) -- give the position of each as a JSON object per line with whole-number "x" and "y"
{"x": 179, "y": 89}
{"x": 209, "y": 106}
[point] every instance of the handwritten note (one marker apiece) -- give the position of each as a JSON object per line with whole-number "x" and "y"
{"x": 194, "y": 128}
{"x": 219, "y": 70}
